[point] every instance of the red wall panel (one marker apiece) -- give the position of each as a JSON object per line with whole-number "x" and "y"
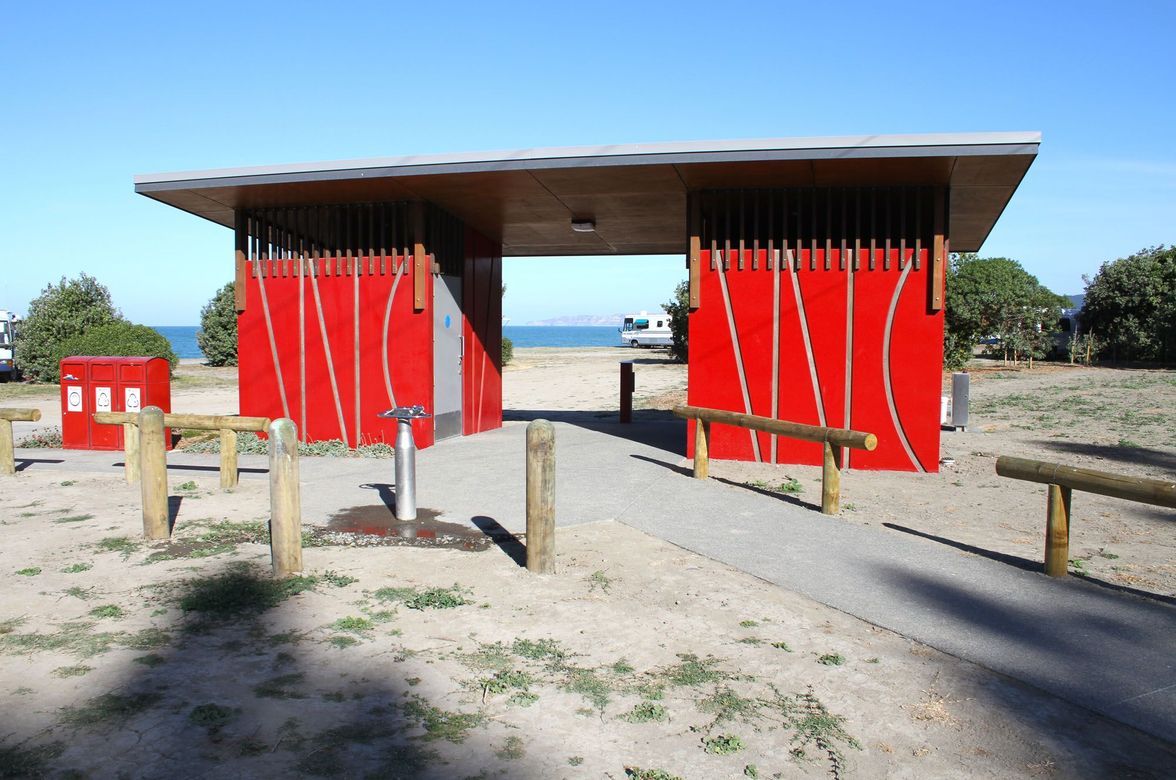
{"x": 482, "y": 306}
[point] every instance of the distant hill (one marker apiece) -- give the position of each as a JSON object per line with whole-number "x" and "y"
{"x": 1077, "y": 300}
{"x": 582, "y": 320}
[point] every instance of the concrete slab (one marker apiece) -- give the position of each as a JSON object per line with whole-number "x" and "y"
{"x": 1097, "y": 647}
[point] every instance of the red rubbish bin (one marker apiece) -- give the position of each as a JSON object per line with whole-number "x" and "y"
{"x": 108, "y": 384}
{"x": 76, "y": 403}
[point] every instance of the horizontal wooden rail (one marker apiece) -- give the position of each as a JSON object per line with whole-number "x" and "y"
{"x": 1062, "y": 481}
{"x": 199, "y": 422}
{"x": 838, "y": 437}
{"x": 7, "y": 444}
{"x": 833, "y": 439}
{"x": 228, "y": 425}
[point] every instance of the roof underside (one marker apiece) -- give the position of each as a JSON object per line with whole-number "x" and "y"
{"x": 635, "y": 193}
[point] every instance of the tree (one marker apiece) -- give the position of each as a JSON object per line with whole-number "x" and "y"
{"x": 994, "y": 297}
{"x": 120, "y": 338}
{"x": 217, "y": 337}
{"x": 64, "y": 310}
{"x": 1131, "y": 306}
{"x": 679, "y": 311}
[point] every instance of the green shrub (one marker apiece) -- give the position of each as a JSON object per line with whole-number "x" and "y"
{"x": 62, "y": 311}
{"x": 1130, "y": 306}
{"x": 507, "y": 350}
{"x": 217, "y": 337}
{"x": 679, "y": 311}
{"x": 120, "y": 339}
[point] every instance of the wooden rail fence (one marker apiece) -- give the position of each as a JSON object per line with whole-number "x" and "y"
{"x": 1062, "y": 480}
{"x": 7, "y": 444}
{"x": 228, "y": 426}
{"x": 833, "y": 439}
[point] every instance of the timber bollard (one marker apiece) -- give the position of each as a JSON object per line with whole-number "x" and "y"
{"x": 831, "y": 480}
{"x": 7, "y": 443}
{"x": 131, "y": 452}
{"x": 228, "y": 458}
{"x": 153, "y": 471}
{"x": 541, "y": 497}
{"x": 285, "y": 504}
{"x": 628, "y": 384}
{"x": 1057, "y": 531}
{"x": 701, "y": 449}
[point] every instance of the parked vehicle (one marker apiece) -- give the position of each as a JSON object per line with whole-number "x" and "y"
{"x": 8, "y": 322}
{"x": 647, "y": 330}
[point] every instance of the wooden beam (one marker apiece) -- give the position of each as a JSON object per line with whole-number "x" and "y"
{"x": 694, "y": 260}
{"x": 240, "y": 254}
{"x": 839, "y": 437}
{"x": 939, "y": 250}
{"x": 420, "y": 260}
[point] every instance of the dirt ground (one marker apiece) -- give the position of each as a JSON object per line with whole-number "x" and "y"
{"x": 130, "y": 659}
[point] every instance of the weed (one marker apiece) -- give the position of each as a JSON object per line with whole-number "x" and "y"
{"x": 815, "y": 725}
{"x": 782, "y": 646}
{"x": 751, "y": 771}
{"x": 844, "y": 508}
{"x": 72, "y": 671}
{"x": 342, "y": 641}
{"x": 76, "y": 639}
{"x": 1103, "y": 553}
{"x": 31, "y": 571}
{"x": 108, "y": 709}
{"x": 512, "y": 749}
{"x": 589, "y": 685}
{"x": 188, "y": 486}
{"x": 727, "y": 705}
{"x": 432, "y": 598}
{"x": 622, "y": 667}
{"x": 336, "y": 696}
{"x": 73, "y": 518}
{"x": 23, "y": 691}
{"x": 336, "y": 579}
{"x": 148, "y": 639}
{"x": 439, "y": 723}
{"x": 598, "y": 580}
{"x": 723, "y": 745}
{"x": 651, "y": 691}
{"x": 692, "y": 671}
{"x": 85, "y": 594}
{"x": 280, "y": 687}
{"x": 751, "y": 640}
{"x": 504, "y": 681}
{"x": 1079, "y": 567}
{"x": 211, "y": 717}
{"x": 831, "y": 659}
{"x": 646, "y": 712}
{"x": 69, "y": 482}
{"x": 77, "y": 568}
{"x": 241, "y": 592}
{"x": 1128, "y": 443}
{"x": 120, "y": 544}
{"x": 637, "y": 773}
{"x": 748, "y": 623}
{"x": 575, "y": 760}
{"x": 356, "y": 625}
{"x": 18, "y": 761}
{"x": 151, "y": 660}
{"x": 8, "y": 626}
{"x": 873, "y": 660}
{"x": 539, "y": 650}
{"x": 523, "y": 699}
{"x": 107, "y": 611}
{"x": 790, "y": 486}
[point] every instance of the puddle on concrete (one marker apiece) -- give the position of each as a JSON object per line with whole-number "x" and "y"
{"x": 363, "y": 526}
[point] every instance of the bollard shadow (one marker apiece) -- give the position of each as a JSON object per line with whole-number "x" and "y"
{"x": 506, "y": 541}
{"x": 656, "y": 428}
{"x": 173, "y": 512}
{"x": 193, "y": 467}
{"x": 1034, "y": 567}
{"x": 1135, "y": 456}
{"x": 785, "y": 497}
{"x": 683, "y": 470}
{"x": 386, "y": 492}
{"x": 23, "y": 463}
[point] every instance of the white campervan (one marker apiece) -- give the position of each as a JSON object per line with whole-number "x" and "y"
{"x": 647, "y": 330}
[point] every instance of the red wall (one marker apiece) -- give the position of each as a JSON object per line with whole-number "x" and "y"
{"x": 482, "y": 306}
{"x": 869, "y": 330}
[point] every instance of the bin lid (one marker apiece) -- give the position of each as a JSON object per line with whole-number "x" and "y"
{"x": 406, "y": 413}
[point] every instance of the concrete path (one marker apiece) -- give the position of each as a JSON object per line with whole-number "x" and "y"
{"x": 1097, "y": 647}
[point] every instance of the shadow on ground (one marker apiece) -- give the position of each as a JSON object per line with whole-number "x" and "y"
{"x": 651, "y": 427}
{"x": 1139, "y": 456}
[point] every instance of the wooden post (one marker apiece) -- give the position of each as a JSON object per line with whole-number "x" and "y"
{"x": 131, "y": 452}
{"x": 7, "y": 456}
{"x": 628, "y": 383}
{"x": 541, "y": 497}
{"x": 701, "y": 449}
{"x": 1057, "y": 531}
{"x": 831, "y": 481}
{"x": 285, "y": 506}
{"x": 153, "y": 472}
{"x": 228, "y": 458}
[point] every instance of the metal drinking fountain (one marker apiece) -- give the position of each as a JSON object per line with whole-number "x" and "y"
{"x": 406, "y": 506}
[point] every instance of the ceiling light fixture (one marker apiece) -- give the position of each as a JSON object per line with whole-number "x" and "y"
{"x": 583, "y": 226}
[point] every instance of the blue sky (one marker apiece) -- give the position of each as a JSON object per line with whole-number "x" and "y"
{"x": 93, "y": 93}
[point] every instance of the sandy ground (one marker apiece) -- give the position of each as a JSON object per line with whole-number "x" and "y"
{"x": 122, "y": 658}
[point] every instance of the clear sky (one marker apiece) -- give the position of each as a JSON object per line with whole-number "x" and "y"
{"x": 92, "y": 93}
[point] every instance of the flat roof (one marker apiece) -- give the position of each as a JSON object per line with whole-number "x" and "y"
{"x": 636, "y": 193}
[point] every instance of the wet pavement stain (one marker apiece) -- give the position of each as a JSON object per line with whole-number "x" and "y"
{"x": 377, "y": 525}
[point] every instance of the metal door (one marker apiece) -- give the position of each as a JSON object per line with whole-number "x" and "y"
{"x": 447, "y": 356}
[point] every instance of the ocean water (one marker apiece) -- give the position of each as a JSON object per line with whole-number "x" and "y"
{"x": 183, "y": 337}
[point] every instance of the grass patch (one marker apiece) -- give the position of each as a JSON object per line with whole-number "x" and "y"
{"x": 512, "y": 749}
{"x": 342, "y": 641}
{"x": 336, "y": 579}
{"x": 790, "y": 486}
{"x": 77, "y": 639}
{"x": 148, "y": 639}
{"x": 588, "y": 684}
{"x": 646, "y": 712}
{"x": 356, "y": 625}
{"x": 637, "y": 773}
{"x": 20, "y": 761}
{"x": 598, "y": 579}
{"x": 240, "y": 592}
{"x": 722, "y": 745}
{"x": 726, "y": 705}
{"x": 782, "y": 646}
{"x": 539, "y": 650}
{"x": 441, "y": 724}
{"x": 748, "y": 623}
{"x": 31, "y": 571}
{"x": 72, "y": 518}
{"x": 108, "y": 611}
{"x": 119, "y": 544}
{"x": 815, "y": 726}
{"x": 505, "y": 681}
{"x": 109, "y": 709}
{"x": 77, "y": 568}
{"x": 85, "y": 594}
{"x": 211, "y": 717}
{"x": 72, "y": 671}
{"x": 280, "y": 687}
{"x": 430, "y": 598}
{"x": 151, "y": 660}
{"x": 188, "y": 487}
{"x": 831, "y": 659}
{"x": 692, "y": 671}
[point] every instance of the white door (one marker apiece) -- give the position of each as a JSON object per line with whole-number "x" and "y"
{"x": 447, "y": 355}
